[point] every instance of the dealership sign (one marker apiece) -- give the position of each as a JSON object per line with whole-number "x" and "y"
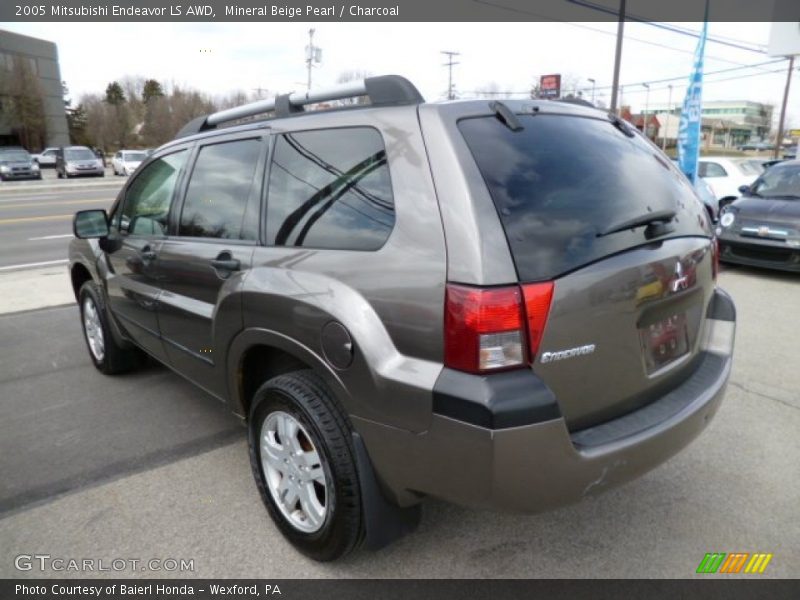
{"x": 550, "y": 86}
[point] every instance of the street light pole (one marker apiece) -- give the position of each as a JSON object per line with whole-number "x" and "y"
{"x": 669, "y": 119}
{"x": 779, "y": 140}
{"x": 592, "y": 81}
{"x": 618, "y": 56}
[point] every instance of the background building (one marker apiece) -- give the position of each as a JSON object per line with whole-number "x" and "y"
{"x": 29, "y": 65}
{"x": 726, "y": 123}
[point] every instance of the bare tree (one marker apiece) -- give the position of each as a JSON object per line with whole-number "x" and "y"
{"x": 489, "y": 90}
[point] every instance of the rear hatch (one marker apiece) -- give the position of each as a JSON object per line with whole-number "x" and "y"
{"x": 594, "y": 207}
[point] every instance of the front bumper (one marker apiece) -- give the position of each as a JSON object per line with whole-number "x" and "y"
{"x": 21, "y": 174}
{"x": 755, "y": 253}
{"x": 542, "y": 465}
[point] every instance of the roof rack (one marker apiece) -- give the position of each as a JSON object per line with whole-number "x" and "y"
{"x": 386, "y": 90}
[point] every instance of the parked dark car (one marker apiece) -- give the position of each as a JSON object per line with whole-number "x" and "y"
{"x": 762, "y": 228}
{"x": 499, "y": 304}
{"x": 17, "y": 163}
{"x": 78, "y": 161}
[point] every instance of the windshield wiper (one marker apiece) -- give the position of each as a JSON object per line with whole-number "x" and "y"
{"x": 657, "y": 224}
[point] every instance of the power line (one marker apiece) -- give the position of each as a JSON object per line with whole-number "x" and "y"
{"x": 640, "y": 91}
{"x": 524, "y": 11}
{"x": 665, "y": 26}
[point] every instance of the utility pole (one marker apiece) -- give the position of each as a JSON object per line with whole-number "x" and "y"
{"x": 779, "y": 140}
{"x": 618, "y": 56}
{"x": 451, "y": 95}
{"x": 669, "y": 119}
{"x": 259, "y": 90}
{"x": 592, "y": 81}
{"x": 646, "y": 109}
{"x": 313, "y": 55}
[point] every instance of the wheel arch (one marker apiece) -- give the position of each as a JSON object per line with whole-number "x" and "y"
{"x": 79, "y": 274}
{"x": 256, "y": 355}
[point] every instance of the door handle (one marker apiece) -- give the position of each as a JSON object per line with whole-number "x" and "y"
{"x": 226, "y": 264}
{"x": 147, "y": 254}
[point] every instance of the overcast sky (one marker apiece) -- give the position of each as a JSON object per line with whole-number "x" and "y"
{"x": 221, "y": 57}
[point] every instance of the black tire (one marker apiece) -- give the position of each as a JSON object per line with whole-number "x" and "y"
{"x": 304, "y": 396}
{"x": 115, "y": 358}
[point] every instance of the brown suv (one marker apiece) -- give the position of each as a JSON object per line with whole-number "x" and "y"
{"x": 507, "y": 305}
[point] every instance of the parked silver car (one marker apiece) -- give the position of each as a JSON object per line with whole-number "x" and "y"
{"x": 77, "y": 161}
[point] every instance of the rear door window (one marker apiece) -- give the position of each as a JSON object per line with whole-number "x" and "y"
{"x": 330, "y": 189}
{"x": 220, "y": 201}
{"x": 562, "y": 180}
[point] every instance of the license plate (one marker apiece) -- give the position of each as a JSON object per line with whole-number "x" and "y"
{"x": 664, "y": 341}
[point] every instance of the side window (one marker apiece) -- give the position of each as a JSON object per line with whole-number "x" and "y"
{"x": 330, "y": 189}
{"x": 148, "y": 198}
{"x": 711, "y": 169}
{"x": 220, "y": 190}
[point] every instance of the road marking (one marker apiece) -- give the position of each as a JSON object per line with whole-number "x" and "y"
{"x": 26, "y": 219}
{"x": 65, "y": 202}
{"x": 36, "y": 264}
{"x": 50, "y": 237}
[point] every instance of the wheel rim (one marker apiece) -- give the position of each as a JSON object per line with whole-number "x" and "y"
{"x": 93, "y": 329}
{"x": 293, "y": 471}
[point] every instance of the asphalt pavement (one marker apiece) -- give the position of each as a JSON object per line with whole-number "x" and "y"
{"x": 147, "y": 466}
{"x": 36, "y": 216}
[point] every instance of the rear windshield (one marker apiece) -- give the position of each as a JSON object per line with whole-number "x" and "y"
{"x": 134, "y": 156}
{"x": 561, "y": 180}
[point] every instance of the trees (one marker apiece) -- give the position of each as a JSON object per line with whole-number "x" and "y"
{"x": 25, "y": 103}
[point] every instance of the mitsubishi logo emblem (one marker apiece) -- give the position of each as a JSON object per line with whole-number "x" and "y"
{"x": 680, "y": 281}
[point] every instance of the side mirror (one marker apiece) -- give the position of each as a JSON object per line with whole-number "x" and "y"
{"x": 90, "y": 224}
{"x": 744, "y": 189}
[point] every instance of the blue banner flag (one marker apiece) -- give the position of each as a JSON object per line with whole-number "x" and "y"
{"x": 690, "y": 125}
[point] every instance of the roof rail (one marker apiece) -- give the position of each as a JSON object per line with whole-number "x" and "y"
{"x": 386, "y": 90}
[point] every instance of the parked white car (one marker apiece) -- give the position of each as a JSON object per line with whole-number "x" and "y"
{"x": 726, "y": 175}
{"x": 46, "y": 158}
{"x": 126, "y": 162}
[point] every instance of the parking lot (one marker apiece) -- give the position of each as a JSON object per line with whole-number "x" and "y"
{"x": 147, "y": 466}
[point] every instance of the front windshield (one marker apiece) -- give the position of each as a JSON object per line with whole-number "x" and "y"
{"x": 134, "y": 156}
{"x": 14, "y": 156}
{"x": 79, "y": 154}
{"x": 780, "y": 181}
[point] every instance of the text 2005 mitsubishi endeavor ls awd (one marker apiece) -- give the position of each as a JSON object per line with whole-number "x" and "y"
{"x": 499, "y": 304}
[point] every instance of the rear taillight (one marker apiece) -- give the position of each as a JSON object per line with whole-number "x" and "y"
{"x": 483, "y": 328}
{"x": 486, "y": 328}
{"x": 537, "y": 306}
{"x": 714, "y": 258}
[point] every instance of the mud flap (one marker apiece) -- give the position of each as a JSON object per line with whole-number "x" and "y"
{"x": 384, "y": 522}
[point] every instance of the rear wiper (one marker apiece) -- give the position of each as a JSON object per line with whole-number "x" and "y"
{"x": 506, "y": 115}
{"x": 621, "y": 125}
{"x": 657, "y": 224}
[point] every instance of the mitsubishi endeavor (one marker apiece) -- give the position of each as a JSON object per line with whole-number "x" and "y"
{"x": 500, "y": 304}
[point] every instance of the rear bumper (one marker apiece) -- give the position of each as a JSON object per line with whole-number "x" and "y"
{"x": 541, "y": 465}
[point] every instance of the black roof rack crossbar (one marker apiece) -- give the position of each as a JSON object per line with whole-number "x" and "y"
{"x": 386, "y": 90}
